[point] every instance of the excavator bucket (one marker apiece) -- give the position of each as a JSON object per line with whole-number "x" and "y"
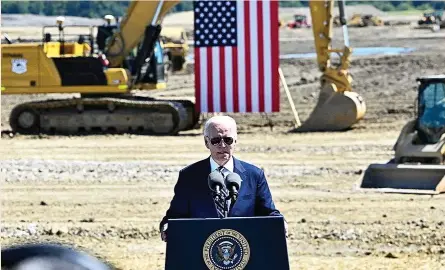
{"x": 335, "y": 111}
{"x": 404, "y": 178}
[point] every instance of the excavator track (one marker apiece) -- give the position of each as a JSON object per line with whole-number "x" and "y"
{"x": 91, "y": 115}
{"x": 193, "y": 116}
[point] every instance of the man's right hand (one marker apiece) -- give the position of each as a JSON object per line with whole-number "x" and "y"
{"x": 164, "y": 236}
{"x": 164, "y": 232}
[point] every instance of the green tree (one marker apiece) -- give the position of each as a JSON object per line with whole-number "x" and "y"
{"x": 425, "y": 6}
{"x": 35, "y": 7}
{"x": 404, "y": 6}
{"x": 15, "y": 7}
{"x": 384, "y": 6}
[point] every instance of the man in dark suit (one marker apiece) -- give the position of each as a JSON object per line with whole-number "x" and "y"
{"x": 193, "y": 198}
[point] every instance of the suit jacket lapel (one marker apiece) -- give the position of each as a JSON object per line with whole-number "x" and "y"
{"x": 239, "y": 169}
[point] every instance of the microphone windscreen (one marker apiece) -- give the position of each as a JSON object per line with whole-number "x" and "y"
{"x": 215, "y": 178}
{"x": 233, "y": 179}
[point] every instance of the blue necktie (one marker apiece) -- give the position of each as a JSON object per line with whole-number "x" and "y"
{"x": 220, "y": 202}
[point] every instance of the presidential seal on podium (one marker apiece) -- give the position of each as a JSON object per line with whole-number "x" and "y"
{"x": 226, "y": 249}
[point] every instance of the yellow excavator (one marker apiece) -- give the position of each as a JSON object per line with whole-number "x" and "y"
{"x": 419, "y": 162}
{"x": 107, "y": 68}
{"x": 104, "y": 71}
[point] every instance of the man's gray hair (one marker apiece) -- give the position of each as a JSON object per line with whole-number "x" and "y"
{"x": 220, "y": 119}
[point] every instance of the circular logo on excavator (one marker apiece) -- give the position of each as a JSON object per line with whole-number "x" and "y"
{"x": 19, "y": 65}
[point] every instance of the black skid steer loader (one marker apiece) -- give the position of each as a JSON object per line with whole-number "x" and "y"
{"x": 419, "y": 162}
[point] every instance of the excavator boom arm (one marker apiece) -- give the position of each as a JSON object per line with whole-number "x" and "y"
{"x": 322, "y": 27}
{"x": 321, "y": 13}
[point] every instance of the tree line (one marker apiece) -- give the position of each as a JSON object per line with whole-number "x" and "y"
{"x": 95, "y": 9}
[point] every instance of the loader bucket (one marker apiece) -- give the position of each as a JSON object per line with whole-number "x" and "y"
{"x": 404, "y": 178}
{"x": 335, "y": 111}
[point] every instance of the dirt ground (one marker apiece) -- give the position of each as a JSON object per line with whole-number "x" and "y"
{"x": 107, "y": 194}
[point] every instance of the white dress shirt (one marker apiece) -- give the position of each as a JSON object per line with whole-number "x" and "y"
{"x": 228, "y": 167}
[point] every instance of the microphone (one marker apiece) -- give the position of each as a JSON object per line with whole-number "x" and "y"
{"x": 216, "y": 182}
{"x": 233, "y": 183}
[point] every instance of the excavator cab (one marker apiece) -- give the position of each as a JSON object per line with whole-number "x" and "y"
{"x": 153, "y": 72}
{"x": 418, "y": 164}
{"x": 103, "y": 33}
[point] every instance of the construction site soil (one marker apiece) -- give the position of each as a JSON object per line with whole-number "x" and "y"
{"x": 107, "y": 193}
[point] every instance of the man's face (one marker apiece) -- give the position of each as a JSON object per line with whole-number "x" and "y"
{"x": 221, "y": 141}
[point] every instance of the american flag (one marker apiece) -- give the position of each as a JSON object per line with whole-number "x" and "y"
{"x": 236, "y": 56}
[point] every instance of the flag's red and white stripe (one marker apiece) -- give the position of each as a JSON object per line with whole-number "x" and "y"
{"x": 242, "y": 78}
